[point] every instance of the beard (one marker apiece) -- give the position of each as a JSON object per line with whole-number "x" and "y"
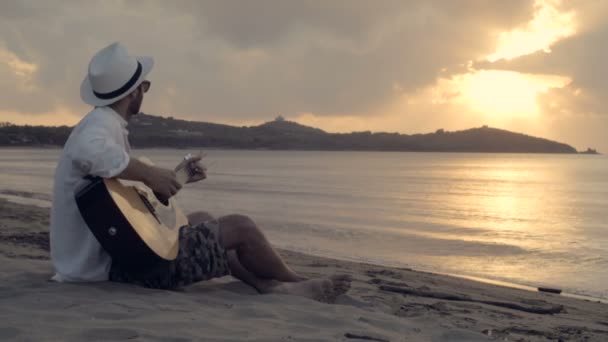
{"x": 135, "y": 105}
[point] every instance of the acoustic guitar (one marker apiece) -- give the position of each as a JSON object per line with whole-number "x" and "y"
{"x": 130, "y": 221}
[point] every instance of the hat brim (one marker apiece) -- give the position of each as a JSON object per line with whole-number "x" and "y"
{"x": 86, "y": 90}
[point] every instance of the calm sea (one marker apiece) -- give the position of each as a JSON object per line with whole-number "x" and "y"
{"x": 537, "y": 220}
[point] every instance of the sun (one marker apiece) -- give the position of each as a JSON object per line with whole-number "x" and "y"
{"x": 505, "y": 93}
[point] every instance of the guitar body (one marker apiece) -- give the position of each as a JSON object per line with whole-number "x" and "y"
{"x": 130, "y": 223}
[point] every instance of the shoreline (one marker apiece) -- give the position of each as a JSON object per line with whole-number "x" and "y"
{"x": 489, "y": 281}
{"x": 45, "y": 204}
{"x": 526, "y": 287}
{"x": 384, "y": 304}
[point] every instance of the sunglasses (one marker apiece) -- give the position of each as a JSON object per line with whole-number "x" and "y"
{"x": 145, "y": 85}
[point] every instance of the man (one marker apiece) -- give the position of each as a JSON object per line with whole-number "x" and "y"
{"x": 99, "y": 146}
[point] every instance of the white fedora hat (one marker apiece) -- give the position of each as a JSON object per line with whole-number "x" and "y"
{"x": 113, "y": 74}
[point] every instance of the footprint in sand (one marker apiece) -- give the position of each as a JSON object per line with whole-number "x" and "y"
{"x": 8, "y": 333}
{"x": 109, "y": 334}
{"x": 9, "y": 292}
{"x": 112, "y": 316}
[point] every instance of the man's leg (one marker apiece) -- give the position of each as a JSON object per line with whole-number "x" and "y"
{"x": 249, "y": 235}
{"x": 243, "y": 237}
{"x": 198, "y": 217}
{"x": 256, "y": 263}
{"x": 255, "y": 253}
{"x": 239, "y": 272}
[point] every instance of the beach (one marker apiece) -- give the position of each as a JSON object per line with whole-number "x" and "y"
{"x": 384, "y": 304}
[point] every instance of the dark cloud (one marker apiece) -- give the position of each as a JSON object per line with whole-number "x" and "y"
{"x": 264, "y": 22}
{"x": 250, "y": 60}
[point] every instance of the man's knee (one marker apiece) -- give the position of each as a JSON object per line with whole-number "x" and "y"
{"x": 242, "y": 224}
{"x": 198, "y": 217}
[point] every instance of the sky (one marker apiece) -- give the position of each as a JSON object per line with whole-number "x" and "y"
{"x": 409, "y": 66}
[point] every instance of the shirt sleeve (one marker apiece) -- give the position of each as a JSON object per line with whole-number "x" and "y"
{"x": 98, "y": 153}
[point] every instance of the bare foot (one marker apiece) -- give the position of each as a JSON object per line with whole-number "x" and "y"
{"x": 324, "y": 290}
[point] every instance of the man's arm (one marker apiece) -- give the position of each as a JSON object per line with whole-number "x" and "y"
{"x": 161, "y": 181}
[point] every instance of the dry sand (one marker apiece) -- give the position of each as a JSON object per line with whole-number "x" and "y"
{"x": 385, "y": 304}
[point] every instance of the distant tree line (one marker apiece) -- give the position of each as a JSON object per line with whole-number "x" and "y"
{"x": 13, "y": 135}
{"x": 280, "y": 134}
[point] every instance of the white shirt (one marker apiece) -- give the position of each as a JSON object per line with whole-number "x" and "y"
{"x": 97, "y": 146}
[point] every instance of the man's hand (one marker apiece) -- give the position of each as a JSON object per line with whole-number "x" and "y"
{"x": 162, "y": 181}
{"x": 197, "y": 170}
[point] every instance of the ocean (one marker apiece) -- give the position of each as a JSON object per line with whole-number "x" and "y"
{"x": 526, "y": 219}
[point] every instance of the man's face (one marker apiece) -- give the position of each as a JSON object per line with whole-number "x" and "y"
{"x": 135, "y": 105}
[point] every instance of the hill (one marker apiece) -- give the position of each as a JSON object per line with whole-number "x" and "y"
{"x": 155, "y": 131}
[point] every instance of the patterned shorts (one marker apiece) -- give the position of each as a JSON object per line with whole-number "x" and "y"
{"x": 200, "y": 257}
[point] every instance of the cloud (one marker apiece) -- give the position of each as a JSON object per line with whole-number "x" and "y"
{"x": 581, "y": 57}
{"x": 240, "y": 60}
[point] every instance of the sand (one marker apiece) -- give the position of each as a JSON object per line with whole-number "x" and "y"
{"x": 384, "y": 304}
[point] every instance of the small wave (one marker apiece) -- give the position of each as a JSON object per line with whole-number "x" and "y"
{"x": 391, "y": 243}
{"x": 27, "y": 194}
{"x": 27, "y": 198}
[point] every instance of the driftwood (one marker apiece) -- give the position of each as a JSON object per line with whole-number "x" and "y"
{"x": 365, "y": 337}
{"x": 550, "y": 290}
{"x": 462, "y": 298}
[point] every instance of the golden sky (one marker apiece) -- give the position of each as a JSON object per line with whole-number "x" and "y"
{"x": 531, "y": 66}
